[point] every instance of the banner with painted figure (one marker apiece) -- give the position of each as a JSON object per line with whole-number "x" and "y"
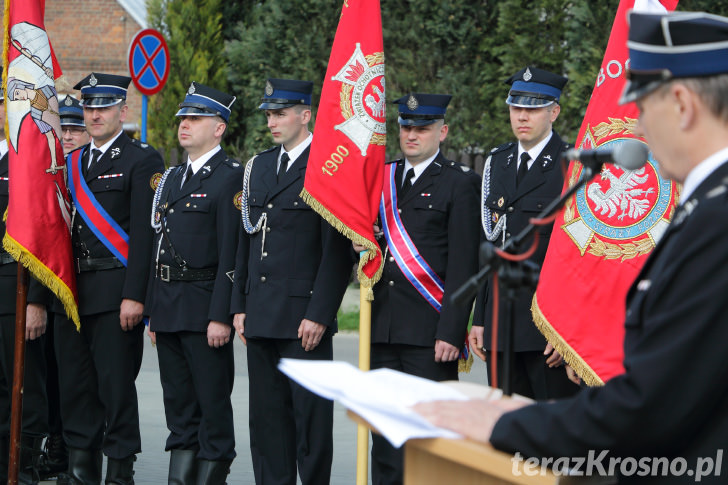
{"x": 606, "y": 231}
{"x": 38, "y": 218}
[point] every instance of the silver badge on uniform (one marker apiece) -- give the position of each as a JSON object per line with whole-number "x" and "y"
{"x": 92, "y": 80}
{"x": 192, "y": 89}
{"x": 527, "y": 75}
{"x": 412, "y": 103}
{"x": 115, "y": 152}
{"x": 268, "y": 88}
{"x": 68, "y": 101}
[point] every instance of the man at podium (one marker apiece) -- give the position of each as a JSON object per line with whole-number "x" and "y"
{"x": 668, "y": 413}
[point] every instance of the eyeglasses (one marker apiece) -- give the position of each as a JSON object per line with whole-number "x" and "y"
{"x": 74, "y": 130}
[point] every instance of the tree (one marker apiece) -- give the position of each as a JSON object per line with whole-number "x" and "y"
{"x": 193, "y": 30}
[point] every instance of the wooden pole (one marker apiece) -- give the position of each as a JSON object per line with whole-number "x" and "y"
{"x": 365, "y": 338}
{"x": 21, "y": 299}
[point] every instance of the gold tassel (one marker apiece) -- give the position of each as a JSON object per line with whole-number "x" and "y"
{"x": 572, "y": 358}
{"x": 465, "y": 365}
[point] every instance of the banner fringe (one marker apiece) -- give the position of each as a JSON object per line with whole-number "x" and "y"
{"x": 571, "y": 357}
{"x": 372, "y": 248}
{"x": 465, "y": 365}
{"x": 45, "y": 276}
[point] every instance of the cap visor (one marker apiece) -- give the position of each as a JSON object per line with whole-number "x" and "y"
{"x": 100, "y": 102}
{"x": 416, "y": 122}
{"x": 275, "y": 105}
{"x": 528, "y": 102}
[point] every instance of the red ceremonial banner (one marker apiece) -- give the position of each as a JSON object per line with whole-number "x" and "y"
{"x": 345, "y": 169}
{"x": 38, "y": 217}
{"x": 605, "y": 232}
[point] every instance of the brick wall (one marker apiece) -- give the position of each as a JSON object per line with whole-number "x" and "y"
{"x": 92, "y": 35}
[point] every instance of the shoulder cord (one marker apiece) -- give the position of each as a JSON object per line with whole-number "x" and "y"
{"x": 486, "y": 216}
{"x": 245, "y": 208}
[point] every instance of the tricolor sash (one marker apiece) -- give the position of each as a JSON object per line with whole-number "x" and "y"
{"x": 409, "y": 260}
{"x": 98, "y": 220}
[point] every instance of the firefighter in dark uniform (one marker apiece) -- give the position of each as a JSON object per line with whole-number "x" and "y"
{"x": 437, "y": 201}
{"x": 196, "y": 216}
{"x": 99, "y": 364}
{"x": 55, "y": 458}
{"x": 519, "y": 180}
{"x": 290, "y": 277}
{"x": 35, "y": 401}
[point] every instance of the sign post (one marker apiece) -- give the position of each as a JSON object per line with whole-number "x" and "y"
{"x": 148, "y": 67}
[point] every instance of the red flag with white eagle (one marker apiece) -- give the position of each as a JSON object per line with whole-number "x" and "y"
{"x": 345, "y": 170}
{"x": 607, "y": 229}
{"x": 38, "y": 217}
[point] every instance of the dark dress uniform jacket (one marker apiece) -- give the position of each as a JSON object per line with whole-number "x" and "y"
{"x": 122, "y": 182}
{"x": 440, "y": 213}
{"x": 204, "y": 233}
{"x": 302, "y": 270}
{"x": 672, "y": 401}
{"x": 37, "y": 293}
{"x": 541, "y": 185}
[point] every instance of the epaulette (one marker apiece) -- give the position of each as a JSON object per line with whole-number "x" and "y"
{"x": 502, "y": 147}
{"x": 138, "y": 144}
{"x": 231, "y": 162}
{"x": 268, "y": 150}
{"x": 457, "y": 166}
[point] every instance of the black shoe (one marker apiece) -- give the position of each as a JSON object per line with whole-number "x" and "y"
{"x": 120, "y": 472}
{"x": 212, "y": 472}
{"x": 55, "y": 459}
{"x": 84, "y": 467}
{"x": 182, "y": 467}
{"x": 30, "y": 454}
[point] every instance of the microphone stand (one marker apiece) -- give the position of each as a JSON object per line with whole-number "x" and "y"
{"x": 513, "y": 275}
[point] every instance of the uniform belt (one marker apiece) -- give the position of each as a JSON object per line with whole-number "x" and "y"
{"x": 171, "y": 273}
{"x": 5, "y": 258}
{"x": 97, "y": 264}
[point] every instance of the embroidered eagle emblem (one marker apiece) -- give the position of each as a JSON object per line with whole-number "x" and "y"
{"x": 623, "y": 194}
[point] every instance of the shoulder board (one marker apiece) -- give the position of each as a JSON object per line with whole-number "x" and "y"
{"x": 268, "y": 150}
{"x": 231, "y": 162}
{"x": 502, "y": 147}
{"x": 457, "y": 166}
{"x": 143, "y": 146}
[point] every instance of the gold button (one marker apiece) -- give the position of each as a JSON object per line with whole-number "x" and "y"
{"x": 187, "y": 204}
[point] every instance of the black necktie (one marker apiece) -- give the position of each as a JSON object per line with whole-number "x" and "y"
{"x": 284, "y": 165}
{"x": 522, "y": 168}
{"x": 95, "y": 154}
{"x": 188, "y": 174}
{"x": 407, "y": 182}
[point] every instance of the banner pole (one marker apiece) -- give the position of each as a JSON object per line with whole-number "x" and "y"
{"x": 365, "y": 337}
{"x": 16, "y": 412}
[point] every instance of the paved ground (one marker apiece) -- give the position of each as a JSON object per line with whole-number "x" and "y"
{"x": 151, "y": 465}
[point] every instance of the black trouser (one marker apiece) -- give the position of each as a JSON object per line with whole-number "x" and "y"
{"x": 289, "y": 425}
{"x": 197, "y": 381}
{"x": 388, "y": 461}
{"x": 35, "y": 400}
{"x": 533, "y": 378}
{"x": 54, "y": 400}
{"x": 97, "y": 369}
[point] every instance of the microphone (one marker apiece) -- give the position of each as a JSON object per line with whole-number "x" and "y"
{"x": 629, "y": 155}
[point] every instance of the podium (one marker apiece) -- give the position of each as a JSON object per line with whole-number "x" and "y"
{"x": 441, "y": 461}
